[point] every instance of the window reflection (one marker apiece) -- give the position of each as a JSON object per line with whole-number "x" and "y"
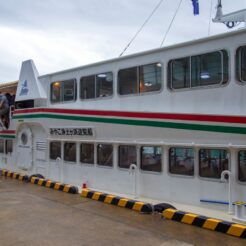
{"x": 242, "y": 166}
{"x": 105, "y": 154}
{"x": 70, "y": 152}
{"x": 127, "y": 156}
{"x": 181, "y": 161}
{"x": 87, "y": 153}
{"x": 151, "y": 158}
{"x": 212, "y": 162}
{"x": 55, "y": 150}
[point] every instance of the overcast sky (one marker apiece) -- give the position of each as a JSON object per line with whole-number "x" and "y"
{"x": 60, "y": 34}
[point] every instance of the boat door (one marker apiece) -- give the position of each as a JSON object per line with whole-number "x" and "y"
{"x": 55, "y": 161}
{"x": 25, "y": 148}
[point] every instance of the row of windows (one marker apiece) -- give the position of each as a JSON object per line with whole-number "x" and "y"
{"x": 185, "y": 72}
{"x": 181, "y": 160}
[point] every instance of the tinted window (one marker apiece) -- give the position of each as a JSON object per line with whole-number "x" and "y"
{"x": 70, "y": 152}
{"x": 181, "y": 161}
{"x": 151, "y": 158}
{"x": 212, "y": 162}
{"x": 135, "y": 80}
{"x": 1, "y": 146}
{"x": 62, "y": 91}
{"x": 94, "y": 86}
{"x": 241, "y": 63}
{"x": 127, "y": 156}
{"x": 55, "y": 150}
{"x": 242, "y": 166}
{"x": 87, "y": 153}
{"x": 105, "y": 155}
{"x": 9, "y": 146}
{"x": 201, "y": 70}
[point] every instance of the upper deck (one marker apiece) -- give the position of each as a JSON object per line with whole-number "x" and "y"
{"x": 204, "y": 76}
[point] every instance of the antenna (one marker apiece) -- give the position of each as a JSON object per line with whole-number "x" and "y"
{"x": 231, "y": 19}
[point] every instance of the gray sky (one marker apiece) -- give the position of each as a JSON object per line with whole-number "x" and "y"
{"x": 60, "y": 34}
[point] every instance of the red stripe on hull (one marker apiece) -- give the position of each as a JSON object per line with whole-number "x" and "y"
{"x": 164, "y": 116}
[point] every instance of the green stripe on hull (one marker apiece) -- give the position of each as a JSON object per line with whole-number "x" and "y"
{"x": 7, "y": 136}
{"x": 182, "y": 126}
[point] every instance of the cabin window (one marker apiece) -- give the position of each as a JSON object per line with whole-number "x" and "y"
{"x": 105, "y": 155}
{"x": 212, "y": 162}
{"x": 8, "y": 146}
{"x": 63, "y": 91}
{"x": 127, "y": 156}
{"x": 181, "y": 161}
{"x": 2, "y": 146}
{"x": 140, "y": 79}
{"x": 242, "y": 165}
{"x": 87, "y": 153}
{"x": 201, "y": 70}
{"x": 241, "y": 63}
{"x": 70, "y": 152}
{"x": 55, "y": 150}
{"x": 151, "y": 158}
{"x": 95, "y": 86}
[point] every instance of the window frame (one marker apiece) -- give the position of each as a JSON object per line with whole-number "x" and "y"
{"x": 237, "y": 168}
{"x": 94, "y": 159}
{"x": 224, "y": 79}
{"x": 55, "y": 141}
{"x": 62, "y": 82}
{"x": 12, "y": 146}
{"x": 95, "y": 85}
{"x": 162, "y": 70}
{"x": 198, "y": 161}
{"x": 63, "y": 157}
{"x": 194, "y": 162}
{"x": 162, "y": 160}
{"x": 118, "y": 156}
{"x": 97, "y": 154}
{"x": 238, "y": 65}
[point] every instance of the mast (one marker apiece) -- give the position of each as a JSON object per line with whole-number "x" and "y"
{"x": 231, "y": 19}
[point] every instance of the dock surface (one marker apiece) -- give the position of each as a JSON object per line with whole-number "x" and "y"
{"x": 35, "y": 215}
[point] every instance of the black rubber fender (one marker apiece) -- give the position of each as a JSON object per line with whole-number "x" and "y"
{"x": 160, "y": 207}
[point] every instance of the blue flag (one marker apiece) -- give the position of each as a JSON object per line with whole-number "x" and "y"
{"x": 195, "y": 7}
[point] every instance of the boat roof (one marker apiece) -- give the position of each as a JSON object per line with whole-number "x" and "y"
{"x": 196, "y": 41}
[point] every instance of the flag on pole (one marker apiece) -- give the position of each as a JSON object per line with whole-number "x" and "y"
{"x": 195, "y": 7}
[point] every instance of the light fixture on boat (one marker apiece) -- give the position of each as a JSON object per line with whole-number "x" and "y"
{"x": 57, "y": 84}
{"x": 102, "y": 75}
{"x": 147, "y": 84}
{"x": 205, "y": 75}
{"x": 158, "y": 64}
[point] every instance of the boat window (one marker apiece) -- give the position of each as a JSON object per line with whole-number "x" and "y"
{"x": 212, "y": 162}
{"x": 127, "y": 156}
{"x": 8, "y": 146}
{"x": 2, "y": 146}
{"x": 181, "y": 161}
{"x": 242, "y": 165}
{"x": 63, "y": 91}
{"x": 105, "y": 155}
{"x": 70, "y": 152}
{"x": 201, "y": 70}
{"x": 140, "y": 79}
{"x": 55, "y": 150}
{"x": 241, "y": 63}
{"x": 151, "y": 158}
{"x": 87, "y": 153}
{"x": 95, "y": 86}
